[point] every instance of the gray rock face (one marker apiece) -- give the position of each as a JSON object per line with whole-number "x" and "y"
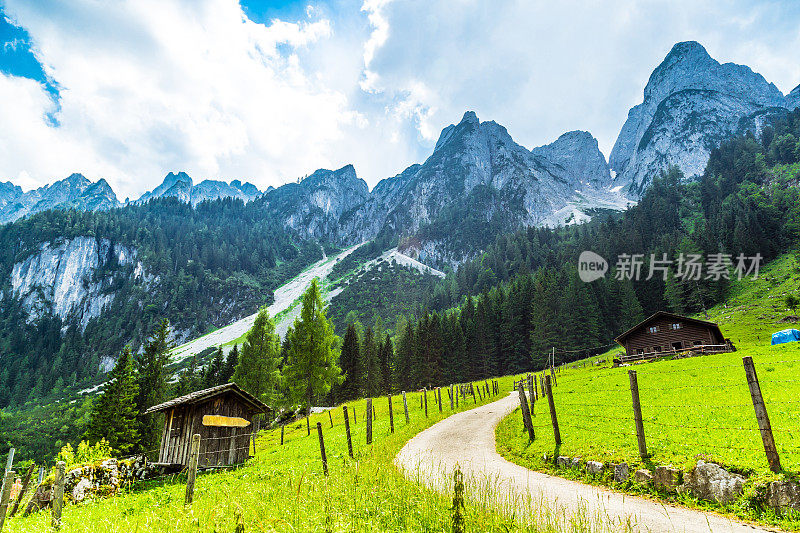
{"x": 63, "y": 279}
{"x": 314, "y": 206}
{"x": 691, "y": 103}
{"x": 478, "y": 172}
{"x": 182, "y": 187}
{"x": 74, "y": 191}
{"x": 621, "y": 472}
{"x": 666, "y": 478}
{"x": 793, "y": 98}
{"x": 712, "y": 482}
{"x": 643, "y": 476}
{"x": 784, "y": 494}
{"x": 594, "y": 467}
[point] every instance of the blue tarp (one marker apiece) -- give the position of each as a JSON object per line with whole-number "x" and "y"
{"x": 787, "y": 335}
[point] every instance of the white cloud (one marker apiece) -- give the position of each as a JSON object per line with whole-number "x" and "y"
{"x": 149, "y": 86}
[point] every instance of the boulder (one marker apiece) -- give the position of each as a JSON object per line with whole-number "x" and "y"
{"x": 783, "y": 494}
{"x": 576, "y": 462}
{"x": 621, "y": 472}
{"x": 80, "y": 489}
{"x": 563, "y": 460}
{"x": 643, "y": 476}
{"x": 594, "y": 467}
{"x": 666, "y": 478}
{"x": 710, "y": 481}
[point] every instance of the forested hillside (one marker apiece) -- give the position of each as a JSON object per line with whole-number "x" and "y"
{"x": 503, "y": 312}
{"x": 203, "y": 267}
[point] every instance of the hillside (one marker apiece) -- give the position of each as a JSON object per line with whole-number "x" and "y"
{"x": 692, "y": 408}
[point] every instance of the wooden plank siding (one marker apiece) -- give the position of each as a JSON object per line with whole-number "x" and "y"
{"x": 667, "y": 338}
{"x": 219, "y": 446}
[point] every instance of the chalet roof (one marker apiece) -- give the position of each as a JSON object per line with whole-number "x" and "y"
{"x": 205, "y": 394}
{"x": 660, "y": 314}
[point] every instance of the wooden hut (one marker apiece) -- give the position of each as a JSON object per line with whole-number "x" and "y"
{"x": 222, "y": 415}
{"x": 670, "y": 333}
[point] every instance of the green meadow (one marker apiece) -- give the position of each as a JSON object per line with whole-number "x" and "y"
{"x": 692, "y": 408}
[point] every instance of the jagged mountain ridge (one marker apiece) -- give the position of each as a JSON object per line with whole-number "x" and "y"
{"x": 181, "y": 186}
{"x": 691, "y": 103}
{"x": 74, "y": 191}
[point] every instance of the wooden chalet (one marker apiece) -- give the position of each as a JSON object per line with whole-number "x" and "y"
{"x": 664, "y": 333}
{"x": 222, "y": 415}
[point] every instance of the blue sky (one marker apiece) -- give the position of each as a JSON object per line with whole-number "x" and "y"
{"x": 268, "y": 91}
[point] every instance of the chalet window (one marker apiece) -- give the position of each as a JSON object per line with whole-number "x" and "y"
{"x": 177, "y": 423}
{"x": 676, "y": 326}
{"x": 677, "y": 345}
{"x": 653, "y": 329}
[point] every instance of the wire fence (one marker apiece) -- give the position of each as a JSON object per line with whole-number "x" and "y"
{"x": 743, "y": 413}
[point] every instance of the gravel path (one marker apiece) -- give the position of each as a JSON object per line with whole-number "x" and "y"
{"x": 467, "y": 439}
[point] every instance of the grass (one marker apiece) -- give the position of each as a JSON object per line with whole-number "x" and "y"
{"x": 283, "y": 488}
{"x": 692, "y": 408}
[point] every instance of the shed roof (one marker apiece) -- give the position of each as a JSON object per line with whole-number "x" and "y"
{"x": 659, "y": 314}
{"x": 205, "y": 394}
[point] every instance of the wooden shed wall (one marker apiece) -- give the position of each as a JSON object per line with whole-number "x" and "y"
{"x": 219, "y": 446}
{"x": 689, "y": 334}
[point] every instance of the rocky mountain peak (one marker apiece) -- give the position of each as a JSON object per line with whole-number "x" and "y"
{"x": 576, "y": 157}
{"x": 793, "y": 98}
{"x": 691, "y": 103}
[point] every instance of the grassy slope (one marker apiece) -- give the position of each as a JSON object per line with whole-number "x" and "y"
{"x": 283, "y": 488}
{"x": 691, "y": 407}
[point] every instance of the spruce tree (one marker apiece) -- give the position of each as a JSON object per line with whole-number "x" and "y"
{"x": 350, "y": 363}
{"x": 114, "y": 412}
{"x": 230, "y": 364}
{"x": 386, "y": 362}
{"x": 213, "y": 373}
{"x": 311, "y": 368}
{"x": 190, "y": 379}
{"x": 257, "y": 371}
{"x": 369, "y": 358}
{"x": 153, "y": 381}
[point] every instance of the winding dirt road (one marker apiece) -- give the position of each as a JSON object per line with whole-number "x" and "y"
{"x": 467, "y": 439}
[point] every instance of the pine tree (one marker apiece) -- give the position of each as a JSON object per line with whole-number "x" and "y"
{"x": 213, "y": 373}
{"x": 231, "y": 361}
{"x": 350, "y": 363}
{"x": 257, "y": 371}
{"x": 311, "y": 368}
{"x": 190, "y": 379}
{"x": 114, "y": 412}
{"x": 386, "y": 361}
{"x": 153, "y": 381}
{"x": 369, "y": 358}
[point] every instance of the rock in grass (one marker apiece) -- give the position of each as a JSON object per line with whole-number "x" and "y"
{"x": 643, "y": 476}
{"x": 783, "y": 494}
{"x": 576, "y": 462}
{"x": 710, "y": 481}
{"x": 621, "y": 472}
{"x": 594, "y": 467}
{"x": 666, "y": 478}
{"x": 563, "y": 460}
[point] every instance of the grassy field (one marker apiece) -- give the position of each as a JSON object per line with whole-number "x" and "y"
{"x": 283, "y": 487}
{"x": 692, "y": 408}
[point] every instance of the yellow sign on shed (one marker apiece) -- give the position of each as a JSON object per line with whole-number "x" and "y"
{"x": 225, "y": 421}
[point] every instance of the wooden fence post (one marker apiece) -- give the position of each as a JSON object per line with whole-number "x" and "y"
{"x": 8, "y": 481}
{"x": 553, "y": 418}
{"x": 308, "y": 422}
{"x": 761, "y": 415}
{"x": 283, "y": 427}
{"x": 425, "y": 400}
{"x": 369, "y": 420}
{"x": 347, "y": 431}
{"x": 10, "y": 460}
{"x": 330, "y": 416}
{"x": 58, "y": 494}
{"x": 472, "y": 391}
{"x": 439, "y": 396}
{"x": 526, "y": 414}
{"x": 25, "y": 482}
{"x": 405, "y": 406}
{"x": 452, "y": 393}
{"x": 455, "y": 393}
{"x": 194, "y": 457}
{"x": 391, "y": 415}
{"x": 322, "y": 449}
{"x": 355, "y": 416}
{"x": 637, "y": 414}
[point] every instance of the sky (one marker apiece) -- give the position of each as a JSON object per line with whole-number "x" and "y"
{"x": 268, "y": 91}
